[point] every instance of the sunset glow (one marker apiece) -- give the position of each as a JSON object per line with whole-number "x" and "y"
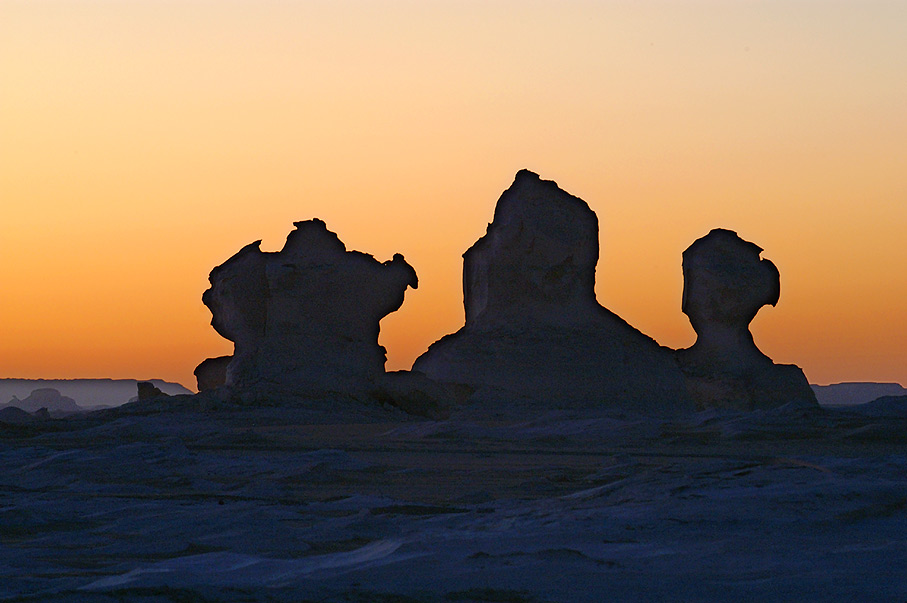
{"x": 143, "y": 143}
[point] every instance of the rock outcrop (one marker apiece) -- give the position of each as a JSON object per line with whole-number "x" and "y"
{"x": 725, "y": 283}
{"x": 305, "y": 317}
{"x": 46, "y": 397}
{"x": 13, "y": 415}
{"x": 212, "y": 373}
{"x": 534, "y": 331}
{"x": 148, "y": 391}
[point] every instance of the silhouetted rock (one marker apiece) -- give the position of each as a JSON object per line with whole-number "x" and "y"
{"x": 726, "y": 282}
{"x": 536, "y": 263}
{"x": 885, "y": 406}
{"x": 48, "y": 398}
{"x": 307, "y": 316}
{"x": 534, "y": 330}
{"x": 13, "y": 415}
{"x": 148, "y": 391}
{"x": 212, "y": 373}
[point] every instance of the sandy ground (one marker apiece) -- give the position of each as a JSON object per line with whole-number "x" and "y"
{"x": 270, "y": 504}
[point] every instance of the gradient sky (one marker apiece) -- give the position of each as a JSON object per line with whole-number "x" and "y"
{"x": 144, "y": 142}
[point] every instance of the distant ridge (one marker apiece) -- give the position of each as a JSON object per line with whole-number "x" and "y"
{"x": 855, "y": 392}
{"x": 87, "y": 393}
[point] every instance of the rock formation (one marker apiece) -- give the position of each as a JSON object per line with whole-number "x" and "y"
{"x": 87, "y": 393}
{"x": 13, "y": 415}
{"x": 46, "y": 397}
{"x": 212, "y": 373}
{"x": 305, "y": 317}
{"x": 148, "y": 391}
{"x": 725, "y": 283}
{"x": 534, "y": 331}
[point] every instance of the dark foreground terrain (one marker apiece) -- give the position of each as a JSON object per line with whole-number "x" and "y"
{"x": 178, "y": 503}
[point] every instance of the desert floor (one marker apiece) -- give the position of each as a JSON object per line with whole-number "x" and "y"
{"x": 179, "y": 503}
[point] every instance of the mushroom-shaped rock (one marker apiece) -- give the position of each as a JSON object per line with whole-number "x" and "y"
{"x": 306, "y": 316}
{"x": 534, "y": 331}
{"x": 725, "y": 283}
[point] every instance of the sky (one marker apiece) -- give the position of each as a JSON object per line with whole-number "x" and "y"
{"x": 144, "y": 142}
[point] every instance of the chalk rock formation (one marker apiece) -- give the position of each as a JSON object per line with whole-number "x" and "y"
{"x": 148, "y": 391}
{"x": 534, "y": 331}
{"x": 46, "y": 397}
{"x": 212, "y": 373}
{"x": 725, "y": 283}
{"x": 305, "y": 317}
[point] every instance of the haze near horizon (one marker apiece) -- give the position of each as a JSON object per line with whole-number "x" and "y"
{"x": 145, "y": 143}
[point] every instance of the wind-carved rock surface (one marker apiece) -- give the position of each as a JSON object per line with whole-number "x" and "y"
{"x": 534, "y": 331}
{"x": 725, "y": 283}
{"x": 305, "y": 317}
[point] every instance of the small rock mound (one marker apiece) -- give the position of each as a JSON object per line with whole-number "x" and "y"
{"x": 148, "y": 391}
{"x": 886, "y": 406}
{"x": 13, "y": 415}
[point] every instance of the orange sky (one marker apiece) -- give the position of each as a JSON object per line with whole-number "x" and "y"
{"x": 144, "y": 142}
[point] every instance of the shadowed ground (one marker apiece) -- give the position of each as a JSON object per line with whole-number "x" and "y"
{"x": 370, "y": 505}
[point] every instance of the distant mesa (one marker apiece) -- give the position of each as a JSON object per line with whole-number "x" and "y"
{"x": 853, "y": 393}
{"x": 89, "y": 394}
{"x": 534, "y": 330}
{"x": 48, "y": 398}
{"x": 305, "y": 317}
{"x": 726, "y": 282}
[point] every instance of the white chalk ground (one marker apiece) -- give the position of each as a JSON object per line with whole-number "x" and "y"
{"x": 276, "y": 505}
